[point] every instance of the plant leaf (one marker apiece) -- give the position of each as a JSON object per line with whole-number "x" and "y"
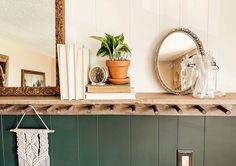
{"x": 101, "y": 39}
{"x": 103, "y": 51}
{"x": 113, "y": 47}
{"x": 120, "y": 38}
{"x": 104, "y": 42}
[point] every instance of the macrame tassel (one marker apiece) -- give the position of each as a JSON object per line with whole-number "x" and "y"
{"x": 32, "y": 147}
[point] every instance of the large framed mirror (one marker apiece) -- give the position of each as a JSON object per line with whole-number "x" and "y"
{"x": 29, "y": 32}
{"x": 174, "y": 58}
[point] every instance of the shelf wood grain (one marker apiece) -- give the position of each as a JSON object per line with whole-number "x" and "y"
{"x": 143, "y": 105}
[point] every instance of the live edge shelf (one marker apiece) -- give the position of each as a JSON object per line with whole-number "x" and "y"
{"x": 144, "y": 104}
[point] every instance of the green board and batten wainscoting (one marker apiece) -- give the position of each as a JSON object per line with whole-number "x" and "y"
{"x": 128, "y": 140}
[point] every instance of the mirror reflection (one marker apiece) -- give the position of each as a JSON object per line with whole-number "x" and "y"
{"x": 176, "y": 52}
{"x": 27, "y": 39}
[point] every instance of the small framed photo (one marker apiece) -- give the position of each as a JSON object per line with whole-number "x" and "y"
{"x": 30, "y": 78}
{"x": 185, "y": 158}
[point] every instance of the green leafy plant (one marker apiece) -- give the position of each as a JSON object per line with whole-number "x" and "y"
{"x": 113, "y": 47}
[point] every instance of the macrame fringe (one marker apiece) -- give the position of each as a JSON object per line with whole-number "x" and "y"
{"x": 32, "y": 147}
{"x": 23, "y": 162}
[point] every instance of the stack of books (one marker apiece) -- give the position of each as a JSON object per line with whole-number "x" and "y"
{"x": 73, "y": 63}
{"x": 110, "y": 92}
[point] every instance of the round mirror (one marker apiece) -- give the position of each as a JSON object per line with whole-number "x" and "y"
{"x": 175, "y": 58}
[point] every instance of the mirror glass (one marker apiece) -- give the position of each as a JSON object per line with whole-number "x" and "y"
{"x": 176, "y": 53}
{"x": 27, "y": 43}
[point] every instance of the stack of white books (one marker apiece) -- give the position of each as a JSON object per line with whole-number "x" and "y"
{"x": 73, "y": 63}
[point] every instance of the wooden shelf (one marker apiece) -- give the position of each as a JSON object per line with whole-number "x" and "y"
{"x": 144, "y": 104}
{"x": 163, "y": 98}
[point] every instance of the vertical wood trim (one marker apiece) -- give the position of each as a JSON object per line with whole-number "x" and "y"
{"x": 113, "y": 140}
{"x": 180, "y": 13}
{"x": 65, "y": 140}
{"x": 51, "y": 146}
{"x": 129, "y": 20}
{"x": 168, "y": 140}
{"x": 191, "y": 137}
{"x": 158, "y": 141}
{"x": 204, "y": 143}
{"x": 159, "y": 17}
{"x": 178, "y": 142}
{"x": 159, "y": 26}
{"x": 2, "y": 139}
{"x": 208, "y": 22}
{"x": 130, "y": 140}
{"x": 98, "y": 147}
{"x": 157, "y": 123}
{"x": 78, "y": 138}
{"x": 95, "y": 17}
{"x": 144, "y": 140}
{"x": 88, "y": 151}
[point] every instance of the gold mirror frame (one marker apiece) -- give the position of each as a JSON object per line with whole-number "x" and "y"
{"x": 200, "y": 49}
{"x": 60, "y": 39}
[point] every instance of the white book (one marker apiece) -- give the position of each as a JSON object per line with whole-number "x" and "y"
{"x": 86, "y": 65}
{"x": 62, "y": 63}
{"x": 78, "y": 72}
{"x": 110, "y": 96}
{"x": 71, "y": 70}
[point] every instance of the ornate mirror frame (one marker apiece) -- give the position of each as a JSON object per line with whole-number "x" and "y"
{"x": 200, "y": 49}
{"x": 60, "y": 39}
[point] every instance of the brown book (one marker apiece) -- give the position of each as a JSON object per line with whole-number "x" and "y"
{"x": 109, "y": 88}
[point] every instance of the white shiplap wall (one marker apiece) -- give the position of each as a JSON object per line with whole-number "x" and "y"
{"x": 145, "y": 21}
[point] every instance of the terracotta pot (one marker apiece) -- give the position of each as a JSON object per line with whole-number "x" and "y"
{"x": 118, "y": 69}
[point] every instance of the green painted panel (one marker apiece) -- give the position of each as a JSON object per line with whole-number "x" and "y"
{"x": 220, "y": 141}
{"x": 88, "y": 145}
{"x": 9, "y": 139}
{"x": 128, "y": 140}
{"x": 65, "y": 141}
{"x": 1, "y": 145}
{"x": 191, "y": 137}
{"x": 114, "y": 140}
{"x": 167, "y": 140}
{"x": 34, "y": 122}
{"x": 144, "y": 140}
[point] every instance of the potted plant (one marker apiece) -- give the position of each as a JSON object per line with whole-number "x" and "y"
{"x": 118, "y": 52}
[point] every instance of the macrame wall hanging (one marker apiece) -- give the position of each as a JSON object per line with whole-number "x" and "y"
{"x": 32, "y": 144}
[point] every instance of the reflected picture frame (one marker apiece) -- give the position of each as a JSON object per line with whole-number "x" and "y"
{"x": 30, "y": 78}
{"x": 4, "y": 67}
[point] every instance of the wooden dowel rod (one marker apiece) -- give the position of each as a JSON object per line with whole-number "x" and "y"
{"x": 90, "y": 108}
{"x": 110, "y": 107}
{"x": 155, "y": 109}
{"x": 71, "y": 108}
{"x": 9, "y": 108}
{"x": 28, "y": 108}
{"x": 50, "y": 108}
{"x": 223, "y": 109}
{"x": 199, "y": 108}
{"x": 177, "y": 108}
{"x": 133, "y": 108}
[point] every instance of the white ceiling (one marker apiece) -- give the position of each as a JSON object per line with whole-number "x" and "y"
{"x": 174, "y": 45}
{"x": 29, "y": 23}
